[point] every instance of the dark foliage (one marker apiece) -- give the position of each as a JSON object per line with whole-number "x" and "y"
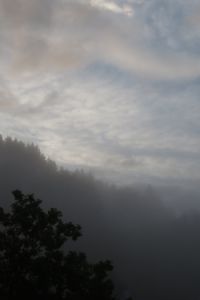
{"x": 33, "y": 264}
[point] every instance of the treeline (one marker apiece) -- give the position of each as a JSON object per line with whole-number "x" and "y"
{"x": 155, "y": 253}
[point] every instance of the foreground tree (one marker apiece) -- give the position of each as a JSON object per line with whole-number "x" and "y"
{"x": 33, "y": 264}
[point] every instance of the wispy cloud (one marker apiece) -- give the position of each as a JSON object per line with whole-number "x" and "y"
{"x": 136, "y": 130}
{"x": 108, "y": 84}
{"x": 112, "y": 6}
{"x": 52, "y": 36}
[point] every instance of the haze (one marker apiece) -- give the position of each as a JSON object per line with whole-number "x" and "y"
{"x": 100, "y": 117}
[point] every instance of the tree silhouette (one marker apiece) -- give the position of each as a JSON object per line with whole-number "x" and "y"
{"x": 33, "y": 263}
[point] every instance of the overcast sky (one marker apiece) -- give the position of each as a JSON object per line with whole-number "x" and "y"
{"x": 111, "y": 86}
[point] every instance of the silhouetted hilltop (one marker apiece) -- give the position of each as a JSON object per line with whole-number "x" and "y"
{"x": 23, "y": 166}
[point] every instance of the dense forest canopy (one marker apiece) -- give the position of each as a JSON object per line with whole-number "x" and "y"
{"x": 155, "y": 251}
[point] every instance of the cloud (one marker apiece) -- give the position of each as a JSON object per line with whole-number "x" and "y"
{"x": 112, "y": 6}
{"x": 52, "y": 36}
{"x": 36, "y": 35}
{"x": 148, "y": 64}
{"x": 8, "y": 101}
{"x": 128, "y": 130}
{"x": 81, "y": 85}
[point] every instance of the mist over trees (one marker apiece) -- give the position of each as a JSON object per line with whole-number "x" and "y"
{"x": 155, "y": 252}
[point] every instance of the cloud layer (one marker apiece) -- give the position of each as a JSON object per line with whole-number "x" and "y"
{"x": 49, "y": 36}
{"x": 110, "y": 85}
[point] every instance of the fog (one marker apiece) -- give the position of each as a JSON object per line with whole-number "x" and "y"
{"x": 151, "y": 234}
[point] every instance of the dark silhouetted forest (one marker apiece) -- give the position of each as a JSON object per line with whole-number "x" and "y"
{"x": 155, "y": 252}
{"x": 33, "y": 263}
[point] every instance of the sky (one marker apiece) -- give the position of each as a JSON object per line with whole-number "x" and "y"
{"x": 109, "y": 86}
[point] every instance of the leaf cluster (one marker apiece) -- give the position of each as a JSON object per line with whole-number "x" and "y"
{"x": 33, "y": 263}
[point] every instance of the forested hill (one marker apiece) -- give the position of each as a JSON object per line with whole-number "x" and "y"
{"x": 23, "y": 166}
{"x": 155, "y": 255}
